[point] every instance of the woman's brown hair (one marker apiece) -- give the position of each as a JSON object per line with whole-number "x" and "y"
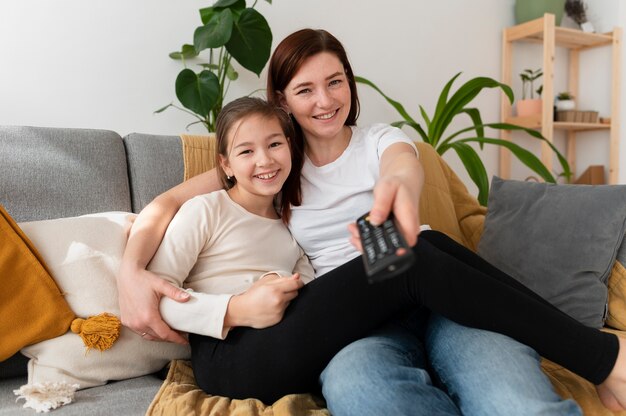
{"x": 245, "y": 107}
{"x": 289, "y": 56}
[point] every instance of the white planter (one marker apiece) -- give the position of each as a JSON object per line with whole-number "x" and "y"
{"x": 564, "y": 105}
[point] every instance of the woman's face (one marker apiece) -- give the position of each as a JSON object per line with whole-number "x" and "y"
{"x": 318, "y": 96}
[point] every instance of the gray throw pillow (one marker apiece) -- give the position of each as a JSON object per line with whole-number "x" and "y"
{"x": 559, "y": 240}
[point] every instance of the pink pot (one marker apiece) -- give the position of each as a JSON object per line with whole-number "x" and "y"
{"x": 527, "y": 108}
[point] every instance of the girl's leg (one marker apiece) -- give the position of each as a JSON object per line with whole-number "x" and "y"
{"x": 502, "y": 304}
{"x": 329, "y": 313}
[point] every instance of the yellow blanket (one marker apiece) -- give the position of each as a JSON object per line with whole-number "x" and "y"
{"x": 179, "y": 395}
{"x": 198, "y": 154}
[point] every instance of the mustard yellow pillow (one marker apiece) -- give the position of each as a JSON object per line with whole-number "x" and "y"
{"x": 31, "y": 305}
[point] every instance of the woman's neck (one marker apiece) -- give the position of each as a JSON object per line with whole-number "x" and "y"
{"x": 324, "y": 150}
{"x": 260, "y": 205}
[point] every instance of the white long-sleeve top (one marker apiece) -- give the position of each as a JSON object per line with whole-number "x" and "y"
{"x": 217, "y": 248}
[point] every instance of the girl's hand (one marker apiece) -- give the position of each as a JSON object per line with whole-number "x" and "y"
{"x": 264, "y": 303}
{"x": 140, "y": 292}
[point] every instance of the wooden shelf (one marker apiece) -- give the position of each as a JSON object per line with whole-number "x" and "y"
{"x": 568, "y": 38}
{"x": 545, "y": 32}
{"x": 534, "y": 122}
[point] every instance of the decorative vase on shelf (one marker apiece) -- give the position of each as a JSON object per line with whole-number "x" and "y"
{"x": 564, "y": 105}
{"x": 526, "y": 108}
{"x": 526, "y": 10}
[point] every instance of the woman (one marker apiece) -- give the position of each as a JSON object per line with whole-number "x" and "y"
{"x": 318, "y": 89}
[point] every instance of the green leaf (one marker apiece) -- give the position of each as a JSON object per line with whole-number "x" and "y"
{"x": 231, "y": 73}
{"x": 415, "y": 126}
{"x": 197, "y": 92}
{"x": 211, "y": 67}
{"x": 399, "y": 108}
{"x": 567, "y": 173}
{"x": 206, "y": 14}
{"x": 425, "y": 116}
{"x": 216, "y": 32}
{"x": 477, "y": 121}
{"x": 251, "y": 41}
{"x": 465, "y": 94}
{"x": 186, "y": 52}
{"x": 524, "y": 156}
{"x": 475, "y": 168}
{"x": 233, "y": 4}
{"x": 162, "y": 109}
{"x": 443, "y": 97}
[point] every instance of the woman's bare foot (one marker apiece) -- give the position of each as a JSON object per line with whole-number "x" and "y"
{"x": 612, "y": 392}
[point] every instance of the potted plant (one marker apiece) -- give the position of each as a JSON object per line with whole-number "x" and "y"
{"x": 530, "y": 106}
{"x": 448, "y": 107}
{"x": 565, "y": 101}
{"x": 229, "y": 30}
{"x": 526, "y": 10}
{"x": 577, "y": 11}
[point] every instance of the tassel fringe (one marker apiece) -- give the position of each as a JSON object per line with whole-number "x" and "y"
{"x": 99, "y": 332}
{"x": 46, "y": 396}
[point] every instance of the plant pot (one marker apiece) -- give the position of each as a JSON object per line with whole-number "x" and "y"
{"x": 526, "y": 10}
{"x": 564, "y": 105}
{"x": 527, "y": 108}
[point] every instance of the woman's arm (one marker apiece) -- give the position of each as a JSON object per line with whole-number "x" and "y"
{"x": 398, "y": 189}
{"x": 140, "y": 290}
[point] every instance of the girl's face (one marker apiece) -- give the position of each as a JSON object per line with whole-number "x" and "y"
{"x": 258, "y": 156}
{"x": 318, "y": 96}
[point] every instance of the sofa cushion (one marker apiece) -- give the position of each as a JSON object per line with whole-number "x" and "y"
{"x": 559, "y": 240}
{"x": 155, "y": 164}
{"x": 31, "y": 305}
{"x": 52, "y": 172}
{"x": 83, "y": 255}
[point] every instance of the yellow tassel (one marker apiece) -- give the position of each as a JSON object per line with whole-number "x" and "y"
{"x": 99, "y": 332}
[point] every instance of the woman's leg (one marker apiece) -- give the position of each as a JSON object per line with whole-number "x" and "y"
{"x": 341, "y": 306}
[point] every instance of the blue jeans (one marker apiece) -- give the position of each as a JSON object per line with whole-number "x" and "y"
{"x": 484, "y": 373}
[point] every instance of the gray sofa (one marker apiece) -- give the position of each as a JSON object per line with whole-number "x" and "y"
{"x": 52, "y": 173}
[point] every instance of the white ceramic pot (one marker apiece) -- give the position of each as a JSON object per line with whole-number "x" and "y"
{"x": 564, "y": 105}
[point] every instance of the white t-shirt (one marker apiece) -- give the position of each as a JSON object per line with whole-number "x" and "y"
{"x": 336, "y": 194}
{"x": 217, "y": 248}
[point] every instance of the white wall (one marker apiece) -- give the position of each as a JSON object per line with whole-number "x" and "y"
{"x": 104, "y": 64}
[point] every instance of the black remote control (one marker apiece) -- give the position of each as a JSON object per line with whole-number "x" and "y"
{"x": 385, "y": 252}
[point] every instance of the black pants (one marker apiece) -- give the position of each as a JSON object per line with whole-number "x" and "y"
{"x": 341, "y": 307}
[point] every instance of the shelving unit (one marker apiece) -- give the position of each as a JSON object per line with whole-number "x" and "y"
{"x": 545, "y": 32}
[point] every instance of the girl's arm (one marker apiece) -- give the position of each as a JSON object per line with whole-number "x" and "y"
{"x": 398, "y": 189}
{"x": 140, "y": 290}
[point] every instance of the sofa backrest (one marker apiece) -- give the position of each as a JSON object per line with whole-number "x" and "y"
{"x": 155, "y": 164}
{"x": 59, "y": 172}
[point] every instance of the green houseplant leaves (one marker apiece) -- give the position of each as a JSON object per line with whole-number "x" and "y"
{"x": 448, "y": 108}
{"x": 229, "y": 30}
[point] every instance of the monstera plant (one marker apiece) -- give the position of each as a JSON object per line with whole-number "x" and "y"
{"x": 229, "y": 30}
{"x": 459, "y": 103}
